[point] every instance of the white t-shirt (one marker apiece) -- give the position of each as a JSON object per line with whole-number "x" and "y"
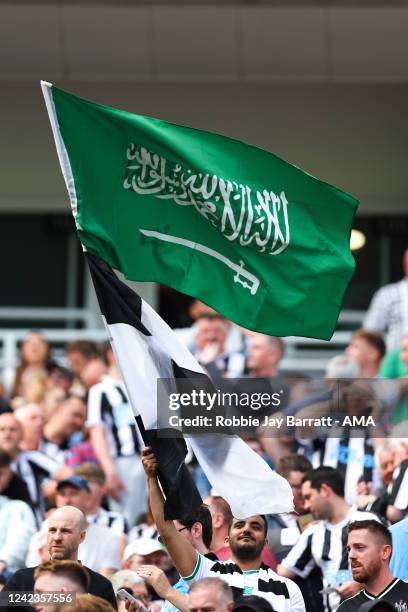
{"x": 101, "y": 548}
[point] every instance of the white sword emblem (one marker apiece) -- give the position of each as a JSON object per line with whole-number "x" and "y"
{"x": 240, "y": 272}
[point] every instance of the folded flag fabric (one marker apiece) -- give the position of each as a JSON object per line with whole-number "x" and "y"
{"x": 261, "y": 241}
{"x": 146, "y": 350}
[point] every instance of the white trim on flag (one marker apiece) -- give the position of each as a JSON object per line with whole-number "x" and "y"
{"x": 60, "y": 145}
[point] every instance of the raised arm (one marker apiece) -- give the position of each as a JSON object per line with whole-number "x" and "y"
{"x": 183, "y": 554}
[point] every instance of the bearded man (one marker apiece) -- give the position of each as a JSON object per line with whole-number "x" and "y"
{"x": 244, "y": 572}
{"x": 369, "y": 549}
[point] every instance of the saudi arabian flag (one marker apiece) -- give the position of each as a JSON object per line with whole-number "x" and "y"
{"x": 256, "y": 238}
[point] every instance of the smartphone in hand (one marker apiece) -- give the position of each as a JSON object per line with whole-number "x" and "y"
{"x": 124, "y": 595}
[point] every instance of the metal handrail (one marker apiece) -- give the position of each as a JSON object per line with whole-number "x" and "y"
{"x": 301, "y": 353}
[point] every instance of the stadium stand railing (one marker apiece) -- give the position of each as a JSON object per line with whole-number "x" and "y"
{"x": 303, "y": 355}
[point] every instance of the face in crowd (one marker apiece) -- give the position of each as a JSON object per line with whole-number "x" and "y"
{"x": 66, "y": 530}
{"x": 48, "y": 582}
{"x": 68, "y": 495}
{"x": 11, "y": 433}
{"x": 211, "y": 331}
{"x": 315, "y": 501}
{"x": 35, "y": 349}
{"x": 247, "y": 537}
{"x": 206, "y": 598}
{"x": 295, "y": 478}
{"x": 367, "y": 554}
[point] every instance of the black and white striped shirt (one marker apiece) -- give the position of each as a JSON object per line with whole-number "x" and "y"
{"x": 108, "y": 405}
{"x": 107, "y": 518}
{"x": 57, "y": 452}
{"x": 325, "y": 545}
{"x": 353, "y": 457}
{"x": 143, "y": 531}
{"x": 399, "y": 489}
{"x": 283, "y": 594}
{"x": 34, "y": 467}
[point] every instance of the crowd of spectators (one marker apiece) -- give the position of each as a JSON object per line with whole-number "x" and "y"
{"x": 76, "y": 484}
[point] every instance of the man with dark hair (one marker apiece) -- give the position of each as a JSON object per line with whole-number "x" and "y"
{"x": 221, "y": 516}
{"x": 199, "y": 526}
{"x": 87, "y": 363}
{"x": 79, "y": 353}
{"x": 293, "y": 463}
{"x": 378, "y": 530}
{"x": 293, "y": 467}
{"x": 245, "y": 573}
{"x": 368, "y": 349}
{"x": 263, "y": 522}
{"x": 196, "y": 527}
{"x": 323, "y": 544}
{"x": 326, "y": 475}
{"x": 369, "y": 549}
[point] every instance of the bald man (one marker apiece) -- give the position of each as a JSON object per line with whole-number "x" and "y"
{"x": 66, "y": 530}
{"x": 32, "y": 466}
{"x": 31, "y": 417}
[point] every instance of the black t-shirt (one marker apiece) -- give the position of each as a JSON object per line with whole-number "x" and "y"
{"x": 17, "y": 489}
{"x": 395, "y": 593}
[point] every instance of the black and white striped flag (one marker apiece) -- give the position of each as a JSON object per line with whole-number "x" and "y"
{"x": 146, "y": 349}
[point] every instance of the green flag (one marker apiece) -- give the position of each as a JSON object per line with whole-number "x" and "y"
{"x": 256, "y": 238}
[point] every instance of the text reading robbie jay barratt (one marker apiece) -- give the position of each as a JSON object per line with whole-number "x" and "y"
{"x": 219, "y": 420}
{"x": 204, "y": 402}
